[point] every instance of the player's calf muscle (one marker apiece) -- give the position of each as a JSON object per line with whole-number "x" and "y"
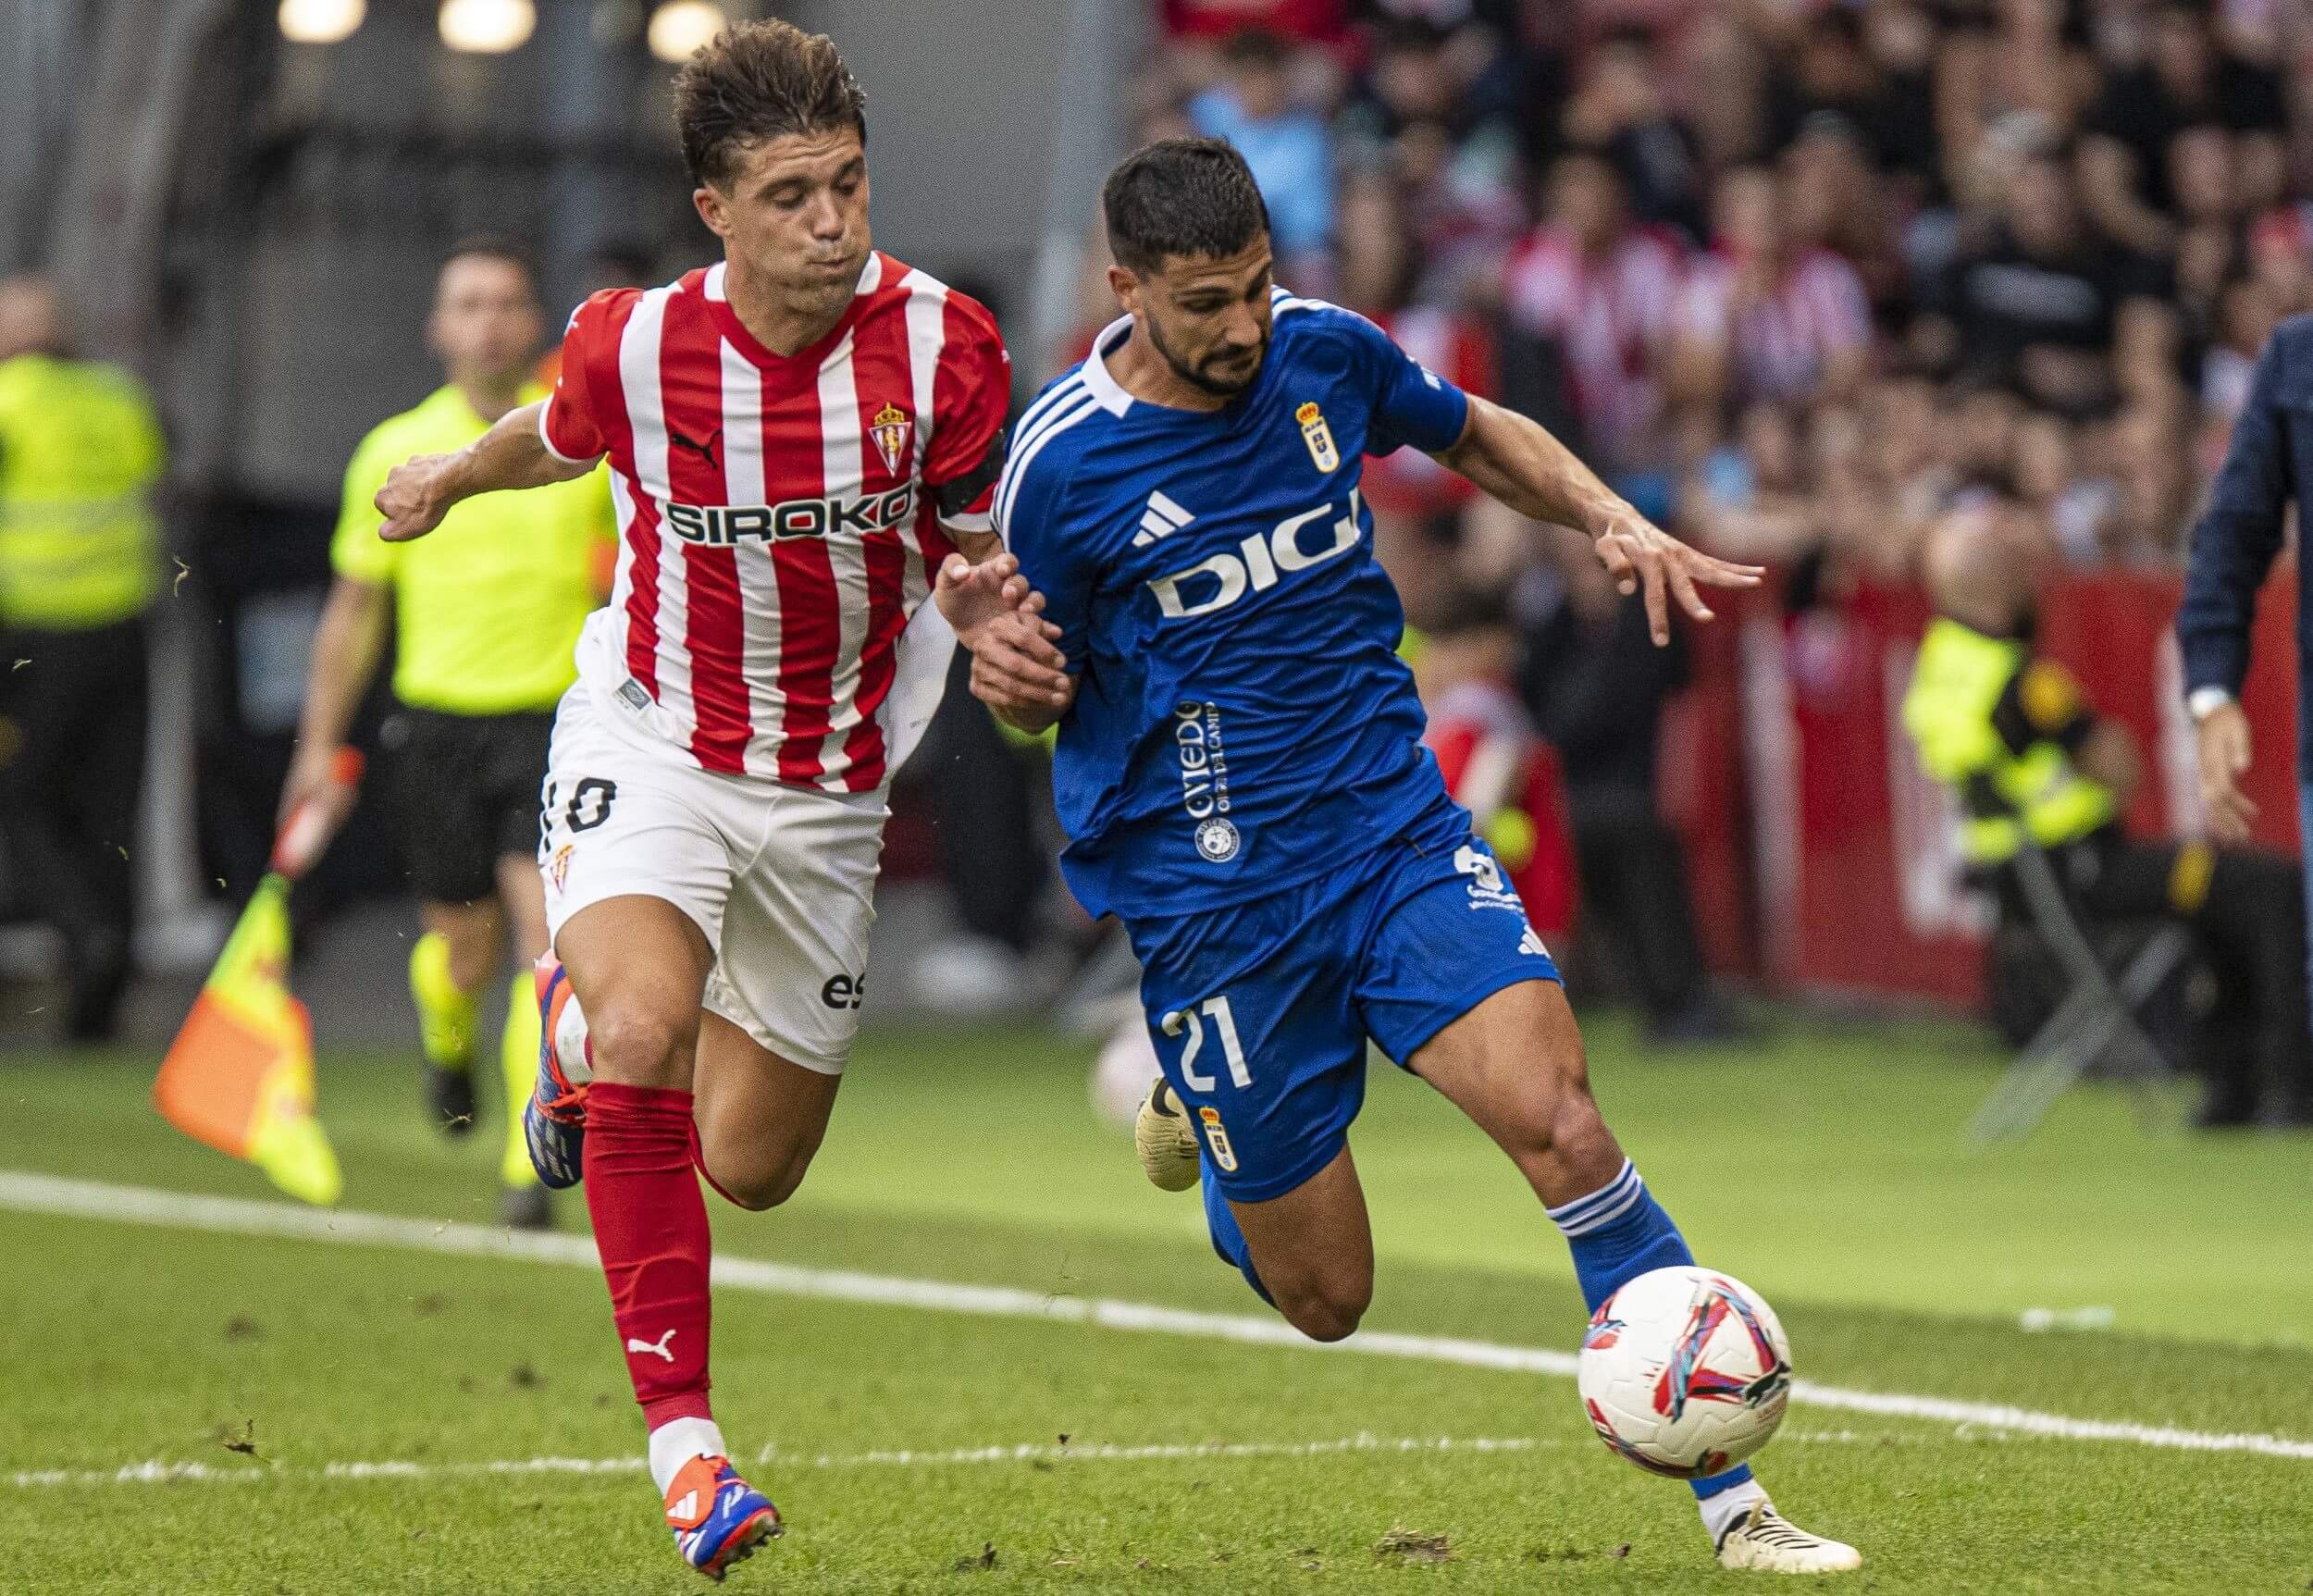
{"x": 1515, "y": 1065}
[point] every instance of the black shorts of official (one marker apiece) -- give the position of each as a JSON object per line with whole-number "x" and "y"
{"x": 466, "y": 795}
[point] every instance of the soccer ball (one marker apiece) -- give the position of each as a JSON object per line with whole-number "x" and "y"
{"x": 1684, "y": 1372}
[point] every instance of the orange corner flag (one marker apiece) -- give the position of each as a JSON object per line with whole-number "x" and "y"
{"x": 240, "y": 1075}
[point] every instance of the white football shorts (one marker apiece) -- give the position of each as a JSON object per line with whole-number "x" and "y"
{"x": 781, "y": 878}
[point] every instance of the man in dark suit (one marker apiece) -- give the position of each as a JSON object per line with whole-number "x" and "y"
{"x": 2269, "y": 462}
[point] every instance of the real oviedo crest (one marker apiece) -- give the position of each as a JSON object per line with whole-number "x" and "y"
{"x": 891, "y": 431}
{"x": 1317, "y": 436}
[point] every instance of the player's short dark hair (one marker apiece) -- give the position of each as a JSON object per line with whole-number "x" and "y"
{"x": 1181, "y": 197}
{"x": 494, "y": 247}
{"x": 756, "y": 81}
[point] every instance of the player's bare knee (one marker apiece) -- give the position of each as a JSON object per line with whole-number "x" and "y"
{"x": 765, "y": 1185}
{"x": 638, "y": 1044}
{"x": 1329, "y": 1305}
{"x": 1325, "y": 1317}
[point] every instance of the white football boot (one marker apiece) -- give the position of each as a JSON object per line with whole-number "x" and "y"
{"x": 1761, "y": 1538}
{"x": 1165, "y": 1140}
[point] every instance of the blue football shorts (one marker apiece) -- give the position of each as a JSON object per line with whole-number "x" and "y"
{"x": 1261, "y": 1010}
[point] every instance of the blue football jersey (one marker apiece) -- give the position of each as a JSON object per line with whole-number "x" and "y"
{"x": 1242, "y": 721}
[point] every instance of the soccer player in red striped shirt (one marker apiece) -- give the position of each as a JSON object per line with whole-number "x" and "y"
{"x": 799, "y": 437}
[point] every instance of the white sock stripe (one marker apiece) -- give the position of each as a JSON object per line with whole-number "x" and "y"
{"x": 1599, "y": 1219}
{"x": 1565, "y": 1213}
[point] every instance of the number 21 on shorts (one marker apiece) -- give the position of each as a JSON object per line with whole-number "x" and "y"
{"x": 1216, "y": 1008}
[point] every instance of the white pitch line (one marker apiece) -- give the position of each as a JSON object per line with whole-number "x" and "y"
{"x": 157, "y": 1471}
{"x": 236, "y": 1215}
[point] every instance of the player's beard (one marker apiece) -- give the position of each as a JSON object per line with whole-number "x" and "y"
{"x": 1195, "y": 377}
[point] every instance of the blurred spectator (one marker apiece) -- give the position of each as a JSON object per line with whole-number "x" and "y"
{"x": 1620, "y": 112}
{"x": 1289, "y": 148}
{"x": 1605, "y": 293}
{"x": 1595, "y": 685}
{"x": 1759, "y": 318}
{"x": 2184, "y": 77}
{"x": 2246, "y": 316}
{"x": 80, "y": 456}
{"x": 1834, "y": 200}
{"x": 1466, "y": 669}
{"x": 1414, "y": 500}
{"x": 1309, "y": 22}
{"x": 2040, "y": 302}
{"x": 1748, "y": 499}
{"x": 2153, "y": 469}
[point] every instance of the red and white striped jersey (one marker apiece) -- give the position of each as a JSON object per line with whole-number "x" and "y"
{"x": 781, "y": 516}
{"x": 1779, "y": 343}
{"x": 1612, "y": 317}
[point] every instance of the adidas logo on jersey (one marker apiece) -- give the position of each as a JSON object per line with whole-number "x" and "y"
{"x": 1161, "y": 519}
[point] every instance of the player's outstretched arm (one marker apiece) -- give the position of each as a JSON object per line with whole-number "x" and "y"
{"x": 1016, "y": 671}
{"x": 424, "y": 489}
{"x": 1518, "y": 462}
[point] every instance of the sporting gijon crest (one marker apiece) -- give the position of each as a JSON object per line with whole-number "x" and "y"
{"x": 892, "y": 431}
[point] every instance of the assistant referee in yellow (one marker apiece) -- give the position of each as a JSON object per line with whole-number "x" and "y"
{"x": 485, "y": 617}
{"x": 81, "y": 457}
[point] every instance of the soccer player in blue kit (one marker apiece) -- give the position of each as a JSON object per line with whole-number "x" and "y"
{"x": 1240, "y": 767}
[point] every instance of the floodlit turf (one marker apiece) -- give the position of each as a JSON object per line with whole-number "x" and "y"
{"x": 1824, "y": 1169}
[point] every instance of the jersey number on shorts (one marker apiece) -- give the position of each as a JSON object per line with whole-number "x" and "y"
{"x": 590, "y": 803}
{"x": 1231, "y": 1049}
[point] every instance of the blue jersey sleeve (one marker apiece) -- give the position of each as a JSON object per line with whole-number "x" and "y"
{"x": 1028, "y": 514}
{"x": 1412, "y": 404}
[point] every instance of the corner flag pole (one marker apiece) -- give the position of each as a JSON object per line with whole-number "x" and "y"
{"x": 240, "y": 1075}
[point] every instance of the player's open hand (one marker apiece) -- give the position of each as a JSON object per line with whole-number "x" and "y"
{"x": 417, "y": 494}
{"x": 1638, "y": 555}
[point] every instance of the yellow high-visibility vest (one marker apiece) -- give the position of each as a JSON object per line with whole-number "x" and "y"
{"x": 1956, "y": 686}
{"x": 488, "y": 607}
{"x": 80, "y": 452}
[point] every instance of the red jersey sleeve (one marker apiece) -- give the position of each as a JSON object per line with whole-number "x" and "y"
{"x": 970, "y": 396}
{"x": 571, "y": 425}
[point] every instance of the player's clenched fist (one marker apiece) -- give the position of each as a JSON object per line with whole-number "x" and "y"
{"x": 417, "y": 494}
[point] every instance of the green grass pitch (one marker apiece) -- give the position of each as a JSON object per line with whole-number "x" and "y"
{"x": 920, "y": 1451}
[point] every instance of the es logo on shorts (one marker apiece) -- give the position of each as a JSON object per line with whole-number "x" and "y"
{"x": 844, "y": 991}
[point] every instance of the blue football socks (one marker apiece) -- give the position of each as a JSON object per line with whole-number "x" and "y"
{"x": 1617, "y": 1233}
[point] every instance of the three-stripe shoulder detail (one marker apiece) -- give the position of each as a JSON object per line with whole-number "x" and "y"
{"x": 1069, "y": 402}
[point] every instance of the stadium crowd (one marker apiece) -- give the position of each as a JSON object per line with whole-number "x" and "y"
{"x": 1804, "y": 274}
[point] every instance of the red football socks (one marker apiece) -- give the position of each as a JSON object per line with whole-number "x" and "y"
{"x": 651, "y": 1228}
